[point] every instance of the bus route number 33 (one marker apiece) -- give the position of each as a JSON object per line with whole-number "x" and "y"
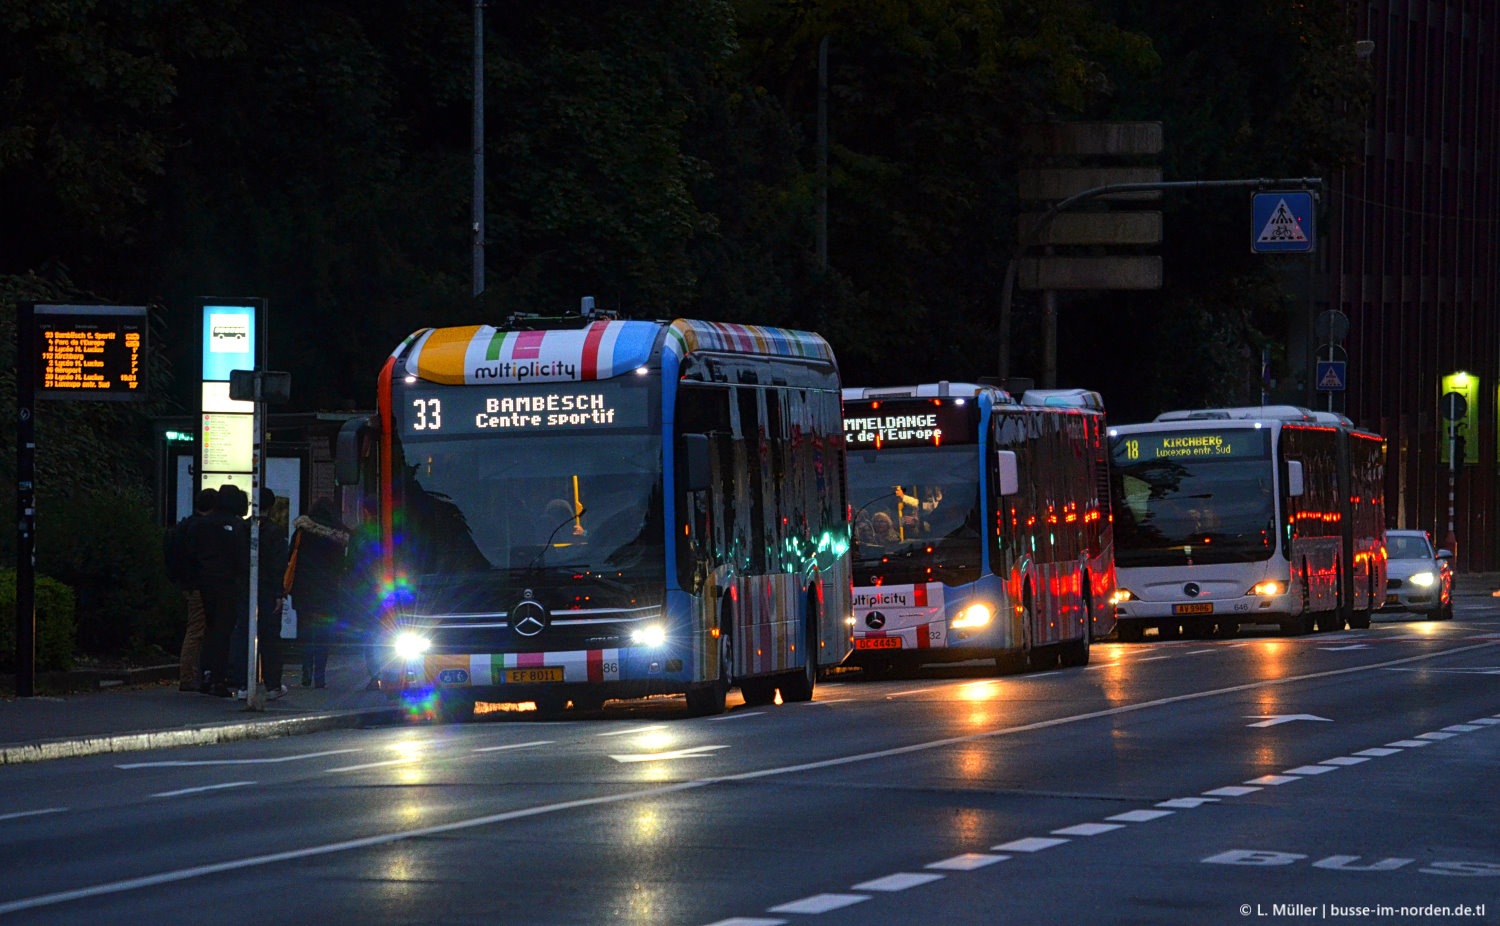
{"x": 429, "y": 414}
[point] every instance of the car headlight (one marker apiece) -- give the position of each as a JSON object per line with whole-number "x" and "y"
{"x": 975, "y": 615}
{"x": 1423, "y": 579}
{"x": 654, "y": 635}
{"x": 1267, "y": 588}
{"x": 1120, "y": 596}
{"x": 410, "y": 645}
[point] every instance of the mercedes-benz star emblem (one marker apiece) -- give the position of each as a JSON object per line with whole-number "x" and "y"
{"x": 528, "y": 618}
{"x": 875, "y": 620}
{"x": 1191, "y": 590}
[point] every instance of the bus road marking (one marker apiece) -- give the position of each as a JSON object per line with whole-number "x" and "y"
{"x": 256, "y": 861}
{"x": 227, "y": 784}
{"x": 514, "y": 746}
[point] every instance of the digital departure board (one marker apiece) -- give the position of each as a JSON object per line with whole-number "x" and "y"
{"x": 891, "y": 423}
{"x": 1239, "y": 443}
{"x": 90, "y": 352}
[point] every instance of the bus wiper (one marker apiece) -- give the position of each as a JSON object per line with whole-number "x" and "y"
{"x": 542, "y": 553}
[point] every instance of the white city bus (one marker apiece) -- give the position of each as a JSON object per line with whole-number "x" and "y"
{"x": 981, "y": 524}
{"x": 1259, "y": 515}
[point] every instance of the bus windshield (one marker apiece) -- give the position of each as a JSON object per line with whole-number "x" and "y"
{"x": 916, "y": 515}
{"x": 1192, "y": 510}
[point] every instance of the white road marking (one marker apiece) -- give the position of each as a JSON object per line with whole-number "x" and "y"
{"x": 1375, "y": 752}
{"x": 1145, "y": 816}
{"x": 1344, "y": 760}
{"x": 691, "y": 752}
{"x": 1488, "y": 721}
{"x": 832, "y": 700}
{"x": 897, "y": 882}
{"x": 1272, "y": 780}
{"x": 1088, "y": 829}
{"x": 748, "y": 921}
{"x": 1029, "y": 844}
{"x": 1462, "y": 728}
{"x": 1184, "y": 803}
{"x": 1335, "y": 649}
{"x": 227, "y": 784}
{"x": 514, "y": 746}
{"x": 380, "y": 839}
{"x": 739, "y": 715}
{"x": 911, "y": 691}
{"x": 969, "y": 861}
{"x": 204, "y": 762}
{"x": 31, "y": 813}
{"x": 1310, "y": 770}
{"x": 1231, "y": 791}
{"x": 1436, "y": 736}
{"x": 408, "y": 760}
{"x": 819, "y": 903}
{"x": 645, "y": 729}
{"x": 1271, "y": 720}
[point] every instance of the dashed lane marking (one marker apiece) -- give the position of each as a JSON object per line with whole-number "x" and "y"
{"x": 1146, "y": 816}
{"x": 206, "y": 762}
{"x": 405, "y": 760}
{"x": 31, "y": 813}
{"x": 1272, "y": 780}
{"x": 969, "y": 861}
{"x": 1309, "y": 770}
{"x": 219, "y": 787}
{"x": 740, "y": 716}
{"x": 819, "y": 903}
{"x": 1029, "y": 844}
{"x": 1462, "y": 728}
{"x": 1231, "y": 791}
{"x": 1345, "y": 760}
{"x": 1181, "y": 803}
{"x": 899, "y": 881}
{"x": 748, "y": 921}
{"x": 1437, "y": 735}
{"x": 514, "y": 746}
{"x": 645, "y": 729}
{"x": 1376, "y": 752}
{"x": 1410, "y": 744}
{"x": 1088, "y": 829}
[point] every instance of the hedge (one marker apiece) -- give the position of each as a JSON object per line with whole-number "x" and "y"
{"x": 54, "y": 624}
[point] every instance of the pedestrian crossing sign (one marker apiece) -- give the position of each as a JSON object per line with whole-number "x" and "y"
{"x": 1282, "y": 222}
{"x": 1331, "y": 376}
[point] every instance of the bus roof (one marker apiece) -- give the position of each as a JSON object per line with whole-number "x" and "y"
{"x": 1066, "y": 398}
{"x": 595, "y": 349}
{"x": 937, "y": 390}
{"x": 1254, "y": 413}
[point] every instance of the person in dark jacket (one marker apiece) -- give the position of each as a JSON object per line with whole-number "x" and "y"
{"x": 269, "y": 595}
{"x": 221, "y": 542}
{"x": 182, "y": 569}
{"x": 320, "y": 541}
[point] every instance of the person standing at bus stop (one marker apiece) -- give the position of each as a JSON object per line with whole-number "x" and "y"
{"x": 319, "y": 543}
{"x": 182, "y": 569}
{"x": 269, "y": 595}
{"x": 221, "y": 542}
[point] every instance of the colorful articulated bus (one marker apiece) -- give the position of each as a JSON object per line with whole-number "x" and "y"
{"x": 981, "y": 525}
{"x": 583, "y": 508}
{"x": 1256, "y": 515}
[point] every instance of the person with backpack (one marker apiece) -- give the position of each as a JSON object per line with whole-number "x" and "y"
{"x": 221, "y": 544}
{"x": 182, "y": 570}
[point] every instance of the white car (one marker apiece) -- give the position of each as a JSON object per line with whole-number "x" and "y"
{"x": 1418, "y": 578}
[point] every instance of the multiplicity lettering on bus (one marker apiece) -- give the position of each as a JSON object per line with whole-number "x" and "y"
{"x": 880, "y": 599}
{"x": 891, "y": 427}
{"x": 518, "y": 372}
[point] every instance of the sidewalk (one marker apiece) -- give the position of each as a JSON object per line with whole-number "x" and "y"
{"x": 157, "y": 716}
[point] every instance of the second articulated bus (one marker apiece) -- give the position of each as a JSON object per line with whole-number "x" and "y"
{"x": 981, "y": 525}
{"x": 1258, "y": 515}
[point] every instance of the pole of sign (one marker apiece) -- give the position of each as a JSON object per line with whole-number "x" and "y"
{"x": 1451, "y": 539}
{"x": 25, "y": 503}
{"x": 255, "y": 692}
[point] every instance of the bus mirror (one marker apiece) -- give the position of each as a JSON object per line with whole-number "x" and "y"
{"x": 346, "y": 457}
{"x": 1294, "y": 487}
{"x": 1010, "y": 478}
{"x": 695, "y": 466}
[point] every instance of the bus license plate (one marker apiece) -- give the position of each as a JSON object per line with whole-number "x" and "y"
{"x": 1197, "y": 607}
{"x": 1392, "y": 599}
{"x": 534, "y": 674}
{"x": 877, "y": 643}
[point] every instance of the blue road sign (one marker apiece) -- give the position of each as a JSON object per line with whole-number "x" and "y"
{"x": 1331, "y": 376}
{"x": 1282, "y": 221}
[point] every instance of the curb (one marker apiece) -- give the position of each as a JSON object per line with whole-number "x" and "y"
{"x": 198, "y": 736}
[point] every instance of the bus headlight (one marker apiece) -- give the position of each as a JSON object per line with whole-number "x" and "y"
{"x": 1266, "y": 589}
{"x": 410, "y": 645}
{"x": 975, "y": 615}
{"x": 1423, "y": 579}
{"x": 1120, "y": 596}
{"x": 654, "y": 635}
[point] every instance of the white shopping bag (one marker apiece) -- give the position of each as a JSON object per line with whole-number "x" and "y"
{"x": 288, "y": 620}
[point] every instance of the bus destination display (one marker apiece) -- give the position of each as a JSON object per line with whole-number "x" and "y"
{"x": 561, "y": 410}
{"x": 90, "y": 352}
{"x": 910, "y": 423}
{"x": 1191, "y": 445}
